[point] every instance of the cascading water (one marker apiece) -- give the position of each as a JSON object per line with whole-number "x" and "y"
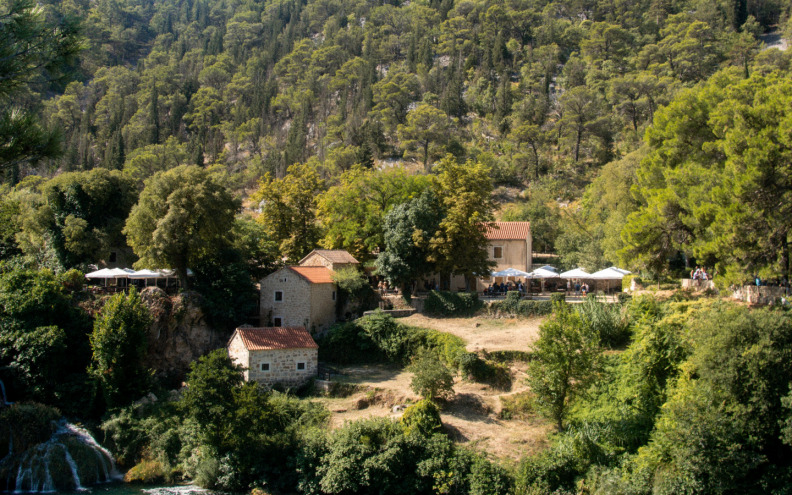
{"x": 70, "y": 460}
{"x": 3, "y": 391}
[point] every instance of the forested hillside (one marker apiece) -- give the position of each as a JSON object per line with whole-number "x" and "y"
{"x": 544, "y": 94}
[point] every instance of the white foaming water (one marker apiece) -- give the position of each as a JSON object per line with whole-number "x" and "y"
{"x": 34, "y": 475}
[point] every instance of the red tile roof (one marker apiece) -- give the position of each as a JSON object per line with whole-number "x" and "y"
{"x": 506, "y": 231}
{"x": 333, "y": 255}
{"x": 314, "y": 274}
{"x": 271, "y": 338}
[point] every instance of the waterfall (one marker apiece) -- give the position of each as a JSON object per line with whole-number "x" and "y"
{"x": 69, "y": 460}
{"x": 3, "y": 391}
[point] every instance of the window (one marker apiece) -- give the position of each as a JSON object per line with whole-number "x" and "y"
{"x": 277, "y": 321}
{"x": 300, "y": 366}
{"x": 333, "y": 295}
{"x": 278, "y": 295}
{"x": 265, "y": 366}
{"x": 497, "y": 252}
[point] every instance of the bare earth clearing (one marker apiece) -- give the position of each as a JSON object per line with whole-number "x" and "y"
{"x": 504, "y": 334}
{"x": 471, "y": 418}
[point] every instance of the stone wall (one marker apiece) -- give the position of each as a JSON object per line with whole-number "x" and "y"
{"x": 295, "y": 308}
{"x": 315, "y": 259}
{"x": 760, "y": 295}
{"x": 323, "y": 307}
{"x": 239, "y": 354}
{"x": 283, "y": 366}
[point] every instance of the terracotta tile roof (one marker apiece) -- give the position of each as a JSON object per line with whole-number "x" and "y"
{"x": 271, "y": 338}
{"x": 505, "y": 231}
{"x": 333, "y": 255}
{"x": 314, "y": 274}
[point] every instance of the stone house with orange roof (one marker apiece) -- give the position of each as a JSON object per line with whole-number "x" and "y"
{"x": 303, "y": 295}
{"x": 509, "y": 245}
{"x": 275, "y": 355}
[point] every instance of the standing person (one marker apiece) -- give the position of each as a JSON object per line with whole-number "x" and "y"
{"x": 569, "y": 286}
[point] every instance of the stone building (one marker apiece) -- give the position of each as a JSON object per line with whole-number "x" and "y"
{"x": 334, "y": 259}
{"x": 509, "y": 245}
{"x": 299, "y": 296}
{"x": 275, "y": 355}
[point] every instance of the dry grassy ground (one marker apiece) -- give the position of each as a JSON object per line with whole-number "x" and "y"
{"x": 507, "y": 334}
{"x": 472, "y": 417}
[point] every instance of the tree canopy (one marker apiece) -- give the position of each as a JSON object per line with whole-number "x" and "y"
{"x": 183, "y": 215}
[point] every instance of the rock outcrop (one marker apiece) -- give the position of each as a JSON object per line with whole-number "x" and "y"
{"x": 179, "y": 334}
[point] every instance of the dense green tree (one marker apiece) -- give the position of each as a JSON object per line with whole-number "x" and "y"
{"x": 713, "y": 181}
{"x": 407, "y": 229}
{"x": 81, "y": 216}
{"x": 564, "y": 362}
{"x": 44, "y": 350}
{"x": 427, "y": 130}
{"x": 183, "y": 216}
{"x": 720, "y": 429}
{"x": 464, "y": 193}
{"x": 34, "y": 51}
{"x": 353, "y": 211}
{"x": 119, "y": 342}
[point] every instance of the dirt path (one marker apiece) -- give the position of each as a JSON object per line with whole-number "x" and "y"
{"x": 507, "y": 334}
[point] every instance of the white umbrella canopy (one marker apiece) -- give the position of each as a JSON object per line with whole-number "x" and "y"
{"x": 103, "y": 273}
{"x": 145, "y": 273}
{"x": 576, "y": 273}
{"x": 108, "y": 273}
{"x": 611, "y": 273}
{"x": 511, "y": 272}
{"x": 543, "y": 273}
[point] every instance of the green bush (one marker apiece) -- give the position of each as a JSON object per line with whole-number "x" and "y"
{"x": 347, "y": 343}
{"x": 517, "y": 406}
{"x": 509, "y": 356}
{"x": 444, "y": 303}
{"x": 486, "y": 371}
{"x": 526, "y": 308}
{"x": 422, "y": 417}
{"x": 558, "y": 297}
{"x": 624, "y": 297}
{"x": 28, "y": 424}
{"x": 607, "y": 320}
{"x": 431, "y": 378}
{"x": 146, "y": 471}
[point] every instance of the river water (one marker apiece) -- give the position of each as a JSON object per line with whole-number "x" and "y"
{"x": 131, "y": 489}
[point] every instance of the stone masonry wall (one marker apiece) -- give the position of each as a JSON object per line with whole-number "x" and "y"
{"x": 295, "y": 308}
{"x": 323, "y": 307}
{"x": 239, "y": 353}
{"x": 314, "y": 259}
{"x": 283, "y": 366}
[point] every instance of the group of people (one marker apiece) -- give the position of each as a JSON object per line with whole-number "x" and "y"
{"x": 700, "y": 273}
{"x": 580, "y": 288}
{"x": 503, "y": 288}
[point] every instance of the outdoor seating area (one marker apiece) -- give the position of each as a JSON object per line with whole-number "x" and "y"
{"x": 112, "y": 280}
{"x": 546, "y": 280}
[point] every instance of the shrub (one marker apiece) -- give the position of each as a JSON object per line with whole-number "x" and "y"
{"x": 347, "y": 343}
{"x": 558, "y": 297}
{"x": 422, "y": 417}
{"x": 486, "y": 371}
{"x": 432, "y": 379}
{"x": 509, "y": 356}
{"x": 526, "y": 308}
{"x": 146, "y": 471}
{"x": 624, "y": 297}
{"x": 28, "y": 424}
{"x": 517, "y": 406}
{"x": 607, "y": 320}
{"x": 444, "y": 303}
